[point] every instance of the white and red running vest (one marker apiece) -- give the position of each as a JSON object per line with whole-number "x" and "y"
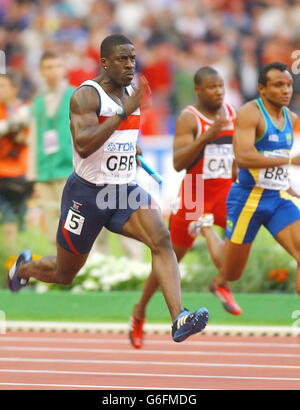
{"x": 114, "y": 162}
{"x": 215, "y": 160}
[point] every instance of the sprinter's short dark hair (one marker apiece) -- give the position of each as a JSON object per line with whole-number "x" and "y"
{"x": 202, "y": 73}
{"x": 263, "y": 74}
{"x": 110, "y": 42}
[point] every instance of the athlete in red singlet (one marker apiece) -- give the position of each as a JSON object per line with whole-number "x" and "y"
{"x": 202, "y": 147}
{"x": 208, "y": 176}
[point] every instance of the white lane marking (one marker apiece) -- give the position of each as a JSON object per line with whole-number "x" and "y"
{"x": 148, "y": 342}
{"x": 88, "y": 386}
{"x": 143, "y": 352}
{"x": 143, "y": 363}
{"x": 126, "y": 374}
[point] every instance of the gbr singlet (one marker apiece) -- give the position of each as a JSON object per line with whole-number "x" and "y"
{"x": 114, "y": 162}
{"x": 102, "y": 192}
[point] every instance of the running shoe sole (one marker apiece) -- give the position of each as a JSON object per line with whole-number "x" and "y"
{"x": 193, "y": 323}
{"x": 14, "y": 282}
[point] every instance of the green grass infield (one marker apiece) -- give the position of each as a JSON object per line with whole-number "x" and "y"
{"x": 260, "y": 309}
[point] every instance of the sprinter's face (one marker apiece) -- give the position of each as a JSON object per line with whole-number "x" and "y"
{"x": 279, "y": 87}
{"x": 211, "y": 91}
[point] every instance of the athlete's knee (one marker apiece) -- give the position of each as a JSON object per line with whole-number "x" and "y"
{"x": 231, "y": 275}
{"x": 161, "y": 240}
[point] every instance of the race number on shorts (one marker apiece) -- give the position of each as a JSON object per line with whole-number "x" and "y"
{"x": 74, "y": 222}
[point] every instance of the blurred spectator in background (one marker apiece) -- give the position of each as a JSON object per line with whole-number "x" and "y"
{"x": 14, "y": 129}
{"x": 157, "y": 69}
{"x": 247, "y": 63}
{"x": 129, "y": 15}
{"x": 51, "y": 144}
{"x": 173, "y": 37}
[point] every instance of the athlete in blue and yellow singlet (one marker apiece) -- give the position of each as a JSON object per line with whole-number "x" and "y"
{"x": 263, "y": 139}
{"x": 260, "y": 197}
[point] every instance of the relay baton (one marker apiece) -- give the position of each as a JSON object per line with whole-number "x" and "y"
{"x": 149, "y": 170}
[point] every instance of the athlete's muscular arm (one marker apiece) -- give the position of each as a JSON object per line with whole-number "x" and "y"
{"x": 138, "y": 152}
{"x": 187, "y": 147}
{"x": 294, "y": 120}
{"x": 246, "y": 125}
{"x": 293, "y": 117}
{"x": 88, "y": 135}
{"x": 234, "y": 170}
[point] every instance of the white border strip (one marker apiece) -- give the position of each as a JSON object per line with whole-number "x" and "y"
{"x": 221, "y": 330}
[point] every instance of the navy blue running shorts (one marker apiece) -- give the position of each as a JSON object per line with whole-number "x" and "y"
{"x": 86, "y": 208}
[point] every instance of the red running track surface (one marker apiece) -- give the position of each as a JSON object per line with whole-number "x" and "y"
{"x": 88, "y": 361}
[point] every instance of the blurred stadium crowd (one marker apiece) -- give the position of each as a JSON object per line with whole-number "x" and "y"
{"x": 172, "y": 38}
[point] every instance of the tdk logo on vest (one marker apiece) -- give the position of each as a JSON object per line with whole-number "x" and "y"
{"x": 120, "y": 147}
{"x": 111, "y": 147}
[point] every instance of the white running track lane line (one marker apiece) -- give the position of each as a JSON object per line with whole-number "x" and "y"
{"x": 88, "y": 386}
{"x": 126, "y": 374}
{"x": 148, "y": 342}
{"x": 143, "y": 363}
{"x": 99, "y": 327}
{"x": 142, "y": 352}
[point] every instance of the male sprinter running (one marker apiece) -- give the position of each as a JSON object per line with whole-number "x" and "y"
{"x": 104, "y": 121}
{"x": 263, "y": 139}
{"x": 203, "y": 147}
